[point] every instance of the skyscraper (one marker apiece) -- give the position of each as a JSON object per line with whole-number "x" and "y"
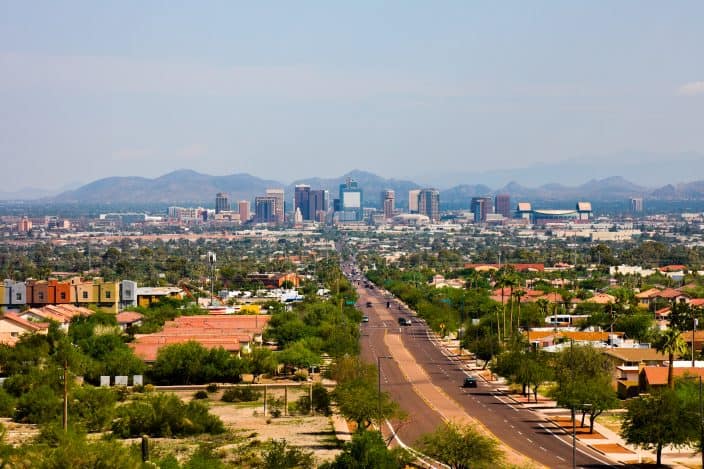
{"x": 301, "y": 201}
{"x": 413, "y": 200}
{"x": 265, "y": 209}
{"x": 222, "y": 203}
{"x": 503, "y": 205}
{"x": 351, "y": 198}
{"x": 244, "y": 210}
{"x": 278, "y": 194}
{"x": 481, "y": 207}
{"x": 388, "y": 199}
{"x": 636, "y": 204}
{"x": 318, "y": 205}
{"x": 429, "y": 203}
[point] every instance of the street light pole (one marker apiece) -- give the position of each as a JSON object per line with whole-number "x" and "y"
{"x": 378, "y": 370}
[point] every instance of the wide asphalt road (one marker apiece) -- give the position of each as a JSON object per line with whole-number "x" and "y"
{"x": 522, "y": 429}
{"x": 421, "y": 418}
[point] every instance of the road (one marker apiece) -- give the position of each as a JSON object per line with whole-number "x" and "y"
{"x": 521, "y": 429}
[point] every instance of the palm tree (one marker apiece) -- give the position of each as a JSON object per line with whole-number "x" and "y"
{"x": 671, "y": 343}
{"x": 511, "y": 281}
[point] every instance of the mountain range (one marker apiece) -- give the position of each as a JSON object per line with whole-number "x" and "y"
{"x": 190, "y": 187}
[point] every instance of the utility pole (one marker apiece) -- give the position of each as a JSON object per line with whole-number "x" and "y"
{"x": 212, "y": 258}
{"x": 65, "y": 416}
{"x": 378, "y": 369}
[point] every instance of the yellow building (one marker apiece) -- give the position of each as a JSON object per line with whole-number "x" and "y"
{"x": 106, "y": 294}
{"x": 82, "y": 292}
{"x": 148, "y": 295}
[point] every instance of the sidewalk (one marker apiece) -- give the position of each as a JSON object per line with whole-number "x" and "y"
{"x": 602, "y": 440}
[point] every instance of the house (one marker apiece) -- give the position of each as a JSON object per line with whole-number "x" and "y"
{"x": 12, "y": 327}
{"x": 547, "y": 338}
{"x": 653, "y": 377}
{"x": 234, "y": 333}
{"x": 127, "y": 319}
{"x": 61, "y": 314}
{"x": 148, "y": 295}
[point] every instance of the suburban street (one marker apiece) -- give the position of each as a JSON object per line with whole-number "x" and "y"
{"x": 522, "y": 429}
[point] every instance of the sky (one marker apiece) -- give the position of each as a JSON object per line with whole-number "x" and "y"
{"x": 285, "y": 90}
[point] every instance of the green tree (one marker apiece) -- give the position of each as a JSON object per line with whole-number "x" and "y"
{"x": 655, "y": 421}
{"x": 462, "y": 447}
{"x": 583, "y": 381}
{"x": 261, "y": 361}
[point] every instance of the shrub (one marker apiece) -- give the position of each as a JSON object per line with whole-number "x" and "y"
{"x": 164, "y": 415}
{"x": 241, "y": 394}
{"x": 39, "y": 405}
{"x": 278, "y": 454}
{"x": 94, "y": 408}
{"x": 302, "y": 405}
{"x": 275, "y": 407}
{"x": 212, "y": 387}
{"x": 200, "y": 395}
{"x": 300, "y": 375}
{"x": 7, "y": 404}
{"x": 321, "y": 399}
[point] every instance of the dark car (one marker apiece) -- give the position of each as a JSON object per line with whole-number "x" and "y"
{"x": 365, "y": 318}
{"x": 404, "y": 322}
{"x": 369, "y": 304}
{"x": 470, "y": 382}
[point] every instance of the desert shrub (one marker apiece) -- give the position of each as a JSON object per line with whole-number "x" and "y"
{"x": 276, "y": 407}
{"x": 321, "y": 399}
{"x": 300, "y": 375}
{"x": 164, "y": 415}
{"x": 40, "y": 405}
{"x": 301, "y": 406}
{"x": 204, "y": 458}
{"x": 7, "y": 404}
{"x": 93, "y": 408}
{"x": 241, "y": 394}
{"x": 212, "y": 387}
{"x": 200, "y": 395}
{"x": 278, "y": 454}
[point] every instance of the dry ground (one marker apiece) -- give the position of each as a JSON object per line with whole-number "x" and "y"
{"x": 247, "y": 427}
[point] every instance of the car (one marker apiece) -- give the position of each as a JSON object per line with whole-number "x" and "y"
{"x": 470, "y": 382}
{"x": 369, "y": 304}
{"x": 404, "y": 322}
{"x": 365, "y": 318}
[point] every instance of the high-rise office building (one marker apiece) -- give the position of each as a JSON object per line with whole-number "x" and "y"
{"x": 243, "y": 206}
{"x": 413, "y": 200}
{"x": 265, "y": 209}
{"x": 481, "y": 207}
{"x": 502, "y": 202}
{"x": 301, "y": 201}
{"x": 429, "y": 203}
{"x": 636, "y": 204}
{"x": 222, "y": 202}
{"x": 319, "y": 205}
{"x": 351, "y": 198}
{"x": 388, "y": 201}
{"x": 278, "y": 194}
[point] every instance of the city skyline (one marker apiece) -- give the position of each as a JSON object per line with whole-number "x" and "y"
{"x": 427, "y": 92}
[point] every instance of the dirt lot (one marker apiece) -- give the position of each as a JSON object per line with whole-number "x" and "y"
{"x": 248, "y": 429}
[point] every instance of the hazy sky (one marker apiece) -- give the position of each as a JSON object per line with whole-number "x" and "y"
{"x": 292, "y": 89}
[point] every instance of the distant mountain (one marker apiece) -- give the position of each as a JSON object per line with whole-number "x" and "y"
{"x": 177, "y": 187}
{"x": 683, "y": 191}
{"x": 650, "y": 169}
{"x": 33, "y": 193}
{"x": 371, "y": 184}
{"x": 189, "y": 187}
